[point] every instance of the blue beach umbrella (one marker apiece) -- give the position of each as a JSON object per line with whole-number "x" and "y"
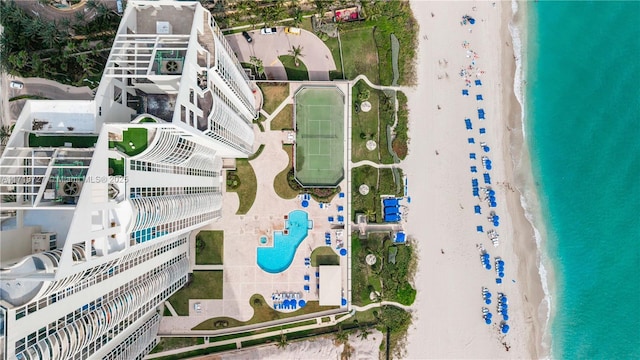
{"x": 501, "y": 274}
{"x": 505, "y": 317}
{"x": 488, "y": 294}
{"x": 489, "y": 315}
{"x": 488, "y": 301}
{"x": 302, "y": 303}
{"x": 305, "y": 203}
{"x": 343, "y": 251}
{"x": 488, "y": 267}
{"x": 505, "y": 328}
{"x": 344, "y": 302}
{"x": 487, "y": 321}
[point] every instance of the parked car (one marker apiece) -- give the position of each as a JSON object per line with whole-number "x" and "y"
{"x": 268, "y": 31}
{"x": 16, "y": 85}
{"x": 292, "y": 30}
{"x": 247, "y": 36}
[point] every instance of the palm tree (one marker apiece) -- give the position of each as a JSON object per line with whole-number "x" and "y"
{"x": 297, "y": 16}
{"x": 342, "y": 336}
{"x": 282, "y": 343}
{"x": 5, "y": 133}
{"x": 370, "y": 214}
{"x": 296, "y": 52}
{"x": 364, "y": 333}
{"x": 258, "y": 65}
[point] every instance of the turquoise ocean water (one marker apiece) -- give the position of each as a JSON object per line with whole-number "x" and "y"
{"x": 583, "y": 131}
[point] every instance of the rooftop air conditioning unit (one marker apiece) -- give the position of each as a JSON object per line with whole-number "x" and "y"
{"x": 171, "y": 67}
{"x": 69, "y": 188}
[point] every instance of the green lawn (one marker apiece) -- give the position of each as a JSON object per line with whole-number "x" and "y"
{"x": 274, "y": 94}
{"x": 359, "y": 54}
{"x": 334, "y": 47}
{"x": 118, "y": 167}
{"x": 247, "y": 187}
{"x": 364, "y": 125}
{"x": 381, "y": 182}
{"x": 210, "y": 247}
{"x": 365, "y": 204}
{"x": 294, "y": 72}
{"x": 134, "y": 141}
{"x": 203, "y": 285}
{"x": 262, "y": 313}
{"x": 280, "y": 182}
{"x": 388, "y": 184}
{"x": 59, "y": 141}
{"x": 284, "y": 119}
{"x": 324, "y": 255}
{"x": 171, "y": 343}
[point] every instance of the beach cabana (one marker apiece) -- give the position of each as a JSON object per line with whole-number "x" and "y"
{"x": 478, "y": 83}
{"x": 479, "y": 97}
{"x": 477, "y": 209}
{"x": 474, "y": 169}
{"x": 472, "y": 156}
{"x": 390, "y": 202}
{"x": 479, "y": 229}
{"x": 391, "y": 210}
{"x": 465, "y": 92}
{"x": 471, "y": 140}
{"x": 483, "y": 131}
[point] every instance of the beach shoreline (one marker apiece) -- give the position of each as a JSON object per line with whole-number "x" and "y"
{"x": 439, "y": 148}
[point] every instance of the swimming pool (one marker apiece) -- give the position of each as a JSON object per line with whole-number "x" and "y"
{"x": 277, "y": 258}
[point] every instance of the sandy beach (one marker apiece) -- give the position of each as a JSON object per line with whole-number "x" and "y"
{"x": 448, "y": 320}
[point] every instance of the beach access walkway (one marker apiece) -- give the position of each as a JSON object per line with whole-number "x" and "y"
{"x": 239, "y": 340}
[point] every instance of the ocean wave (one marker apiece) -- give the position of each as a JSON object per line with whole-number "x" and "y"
{"x": 528, "y": 197}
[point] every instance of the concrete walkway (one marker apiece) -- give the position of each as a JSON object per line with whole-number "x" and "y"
{"x": 238, "y": 341}
{"x": 315, "y": 54}
{"x": 371, "y": 163}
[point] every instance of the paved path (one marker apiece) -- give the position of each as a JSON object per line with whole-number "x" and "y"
{"x": 208, "y": 267}
{"x": 171, "y": 309}
{"x": 238, "y": 341}
{"x": 371, "y": 163}
{"x": 315, "y": 54}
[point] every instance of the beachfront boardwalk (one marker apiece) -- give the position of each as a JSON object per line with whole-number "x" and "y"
{"x": 238, "y": 341}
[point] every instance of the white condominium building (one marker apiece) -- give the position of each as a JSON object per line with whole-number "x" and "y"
{"x": 99, "y": 198}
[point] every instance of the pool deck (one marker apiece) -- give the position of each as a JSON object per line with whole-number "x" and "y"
{"x": 242, "y": 276}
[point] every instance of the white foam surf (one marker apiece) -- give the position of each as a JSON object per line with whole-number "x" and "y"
{"x": 528, "y": 198}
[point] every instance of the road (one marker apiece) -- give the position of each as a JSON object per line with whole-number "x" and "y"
{"x": 36, "y": 86}
{"x": 315, "y": 54}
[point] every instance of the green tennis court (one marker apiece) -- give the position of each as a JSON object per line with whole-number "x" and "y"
{"x": 319, "y": 151}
